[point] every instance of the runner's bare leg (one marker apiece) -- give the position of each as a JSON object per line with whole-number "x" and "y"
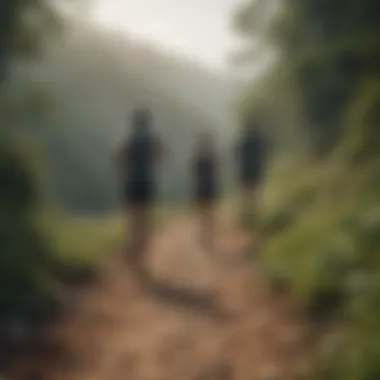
{"x": 246, "y": 205}
{"x": 207, "y": 225}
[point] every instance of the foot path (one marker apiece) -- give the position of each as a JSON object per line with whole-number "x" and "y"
{"x": 198, "y": 316}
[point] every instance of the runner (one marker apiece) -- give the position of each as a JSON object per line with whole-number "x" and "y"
{"x": 204, "y": 163}
{"x": 136, "y": 160}
{"x": 250, "y": 157}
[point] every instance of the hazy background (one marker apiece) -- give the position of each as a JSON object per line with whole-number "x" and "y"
{"x": 198, "y": 30}
{"x": 306, "y": 71}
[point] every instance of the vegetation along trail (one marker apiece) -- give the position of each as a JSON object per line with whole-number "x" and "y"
{"x": 198, "y": 315}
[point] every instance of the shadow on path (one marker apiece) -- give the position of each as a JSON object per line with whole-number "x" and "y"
{"x": 219, "y": 371}
{"x": 180, "y": 296}
{"x": 240, "y": 257}
{"x": 243, "y": 257}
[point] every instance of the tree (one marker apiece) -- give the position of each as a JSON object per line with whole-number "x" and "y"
{"x": 25, "y": 256}
{"x": 327, "y": 53}
{"x": 324, "y": 47}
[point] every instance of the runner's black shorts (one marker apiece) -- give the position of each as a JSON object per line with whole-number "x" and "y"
{"x": 251, "y": 178}
{"x": 205, "y": 192}
{"x": 139, "y": 192}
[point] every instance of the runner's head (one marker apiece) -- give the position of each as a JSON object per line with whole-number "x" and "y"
{"x": 141, "y": 120}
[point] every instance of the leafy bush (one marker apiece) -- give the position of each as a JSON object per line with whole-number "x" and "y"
{"x": 326, "y": 250}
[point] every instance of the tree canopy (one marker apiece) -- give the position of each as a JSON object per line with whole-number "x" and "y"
{"x": 326, "y": 50}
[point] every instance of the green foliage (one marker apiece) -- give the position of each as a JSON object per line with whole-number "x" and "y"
{"x": 18, "y": 190}
{"x": 320, "y": 230}
{"x": 326, "y": 49}
{"x": 326, "y": 252}
{"x": 24, "y": 257}
{"x": 82, "y": 239}
{"x": 28, "y": 26}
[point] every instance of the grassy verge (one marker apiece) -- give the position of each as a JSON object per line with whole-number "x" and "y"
{"x": 83, "y": 238}
{"x": 90, "y": 240}
{"x": 320, "y": 239}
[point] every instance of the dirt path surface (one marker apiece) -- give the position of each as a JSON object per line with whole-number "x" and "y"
{"x": 202, "y": 316}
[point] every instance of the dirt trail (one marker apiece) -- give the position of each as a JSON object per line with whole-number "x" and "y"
{"x": 205, "y": 316}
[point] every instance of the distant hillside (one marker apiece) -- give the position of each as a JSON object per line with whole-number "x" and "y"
{"x": 95, "y": 80}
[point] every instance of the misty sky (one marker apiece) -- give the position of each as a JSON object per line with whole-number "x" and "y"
{"x": 199, "y": 29}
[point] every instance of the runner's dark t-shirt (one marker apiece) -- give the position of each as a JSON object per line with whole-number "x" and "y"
{"x": 251, "y": 156}
{"x": 140, "y": 162}
{"x": 205, "y": 177}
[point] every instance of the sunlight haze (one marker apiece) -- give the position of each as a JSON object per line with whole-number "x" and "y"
{"x": 198, "y": 29}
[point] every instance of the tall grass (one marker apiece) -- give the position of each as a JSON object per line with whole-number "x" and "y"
{"x": 320, "y": 234}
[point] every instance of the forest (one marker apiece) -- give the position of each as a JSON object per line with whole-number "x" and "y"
{"x": 66, "y": 93}
{"x": 88, "y": 84}
{"x": 320, "y": 231}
